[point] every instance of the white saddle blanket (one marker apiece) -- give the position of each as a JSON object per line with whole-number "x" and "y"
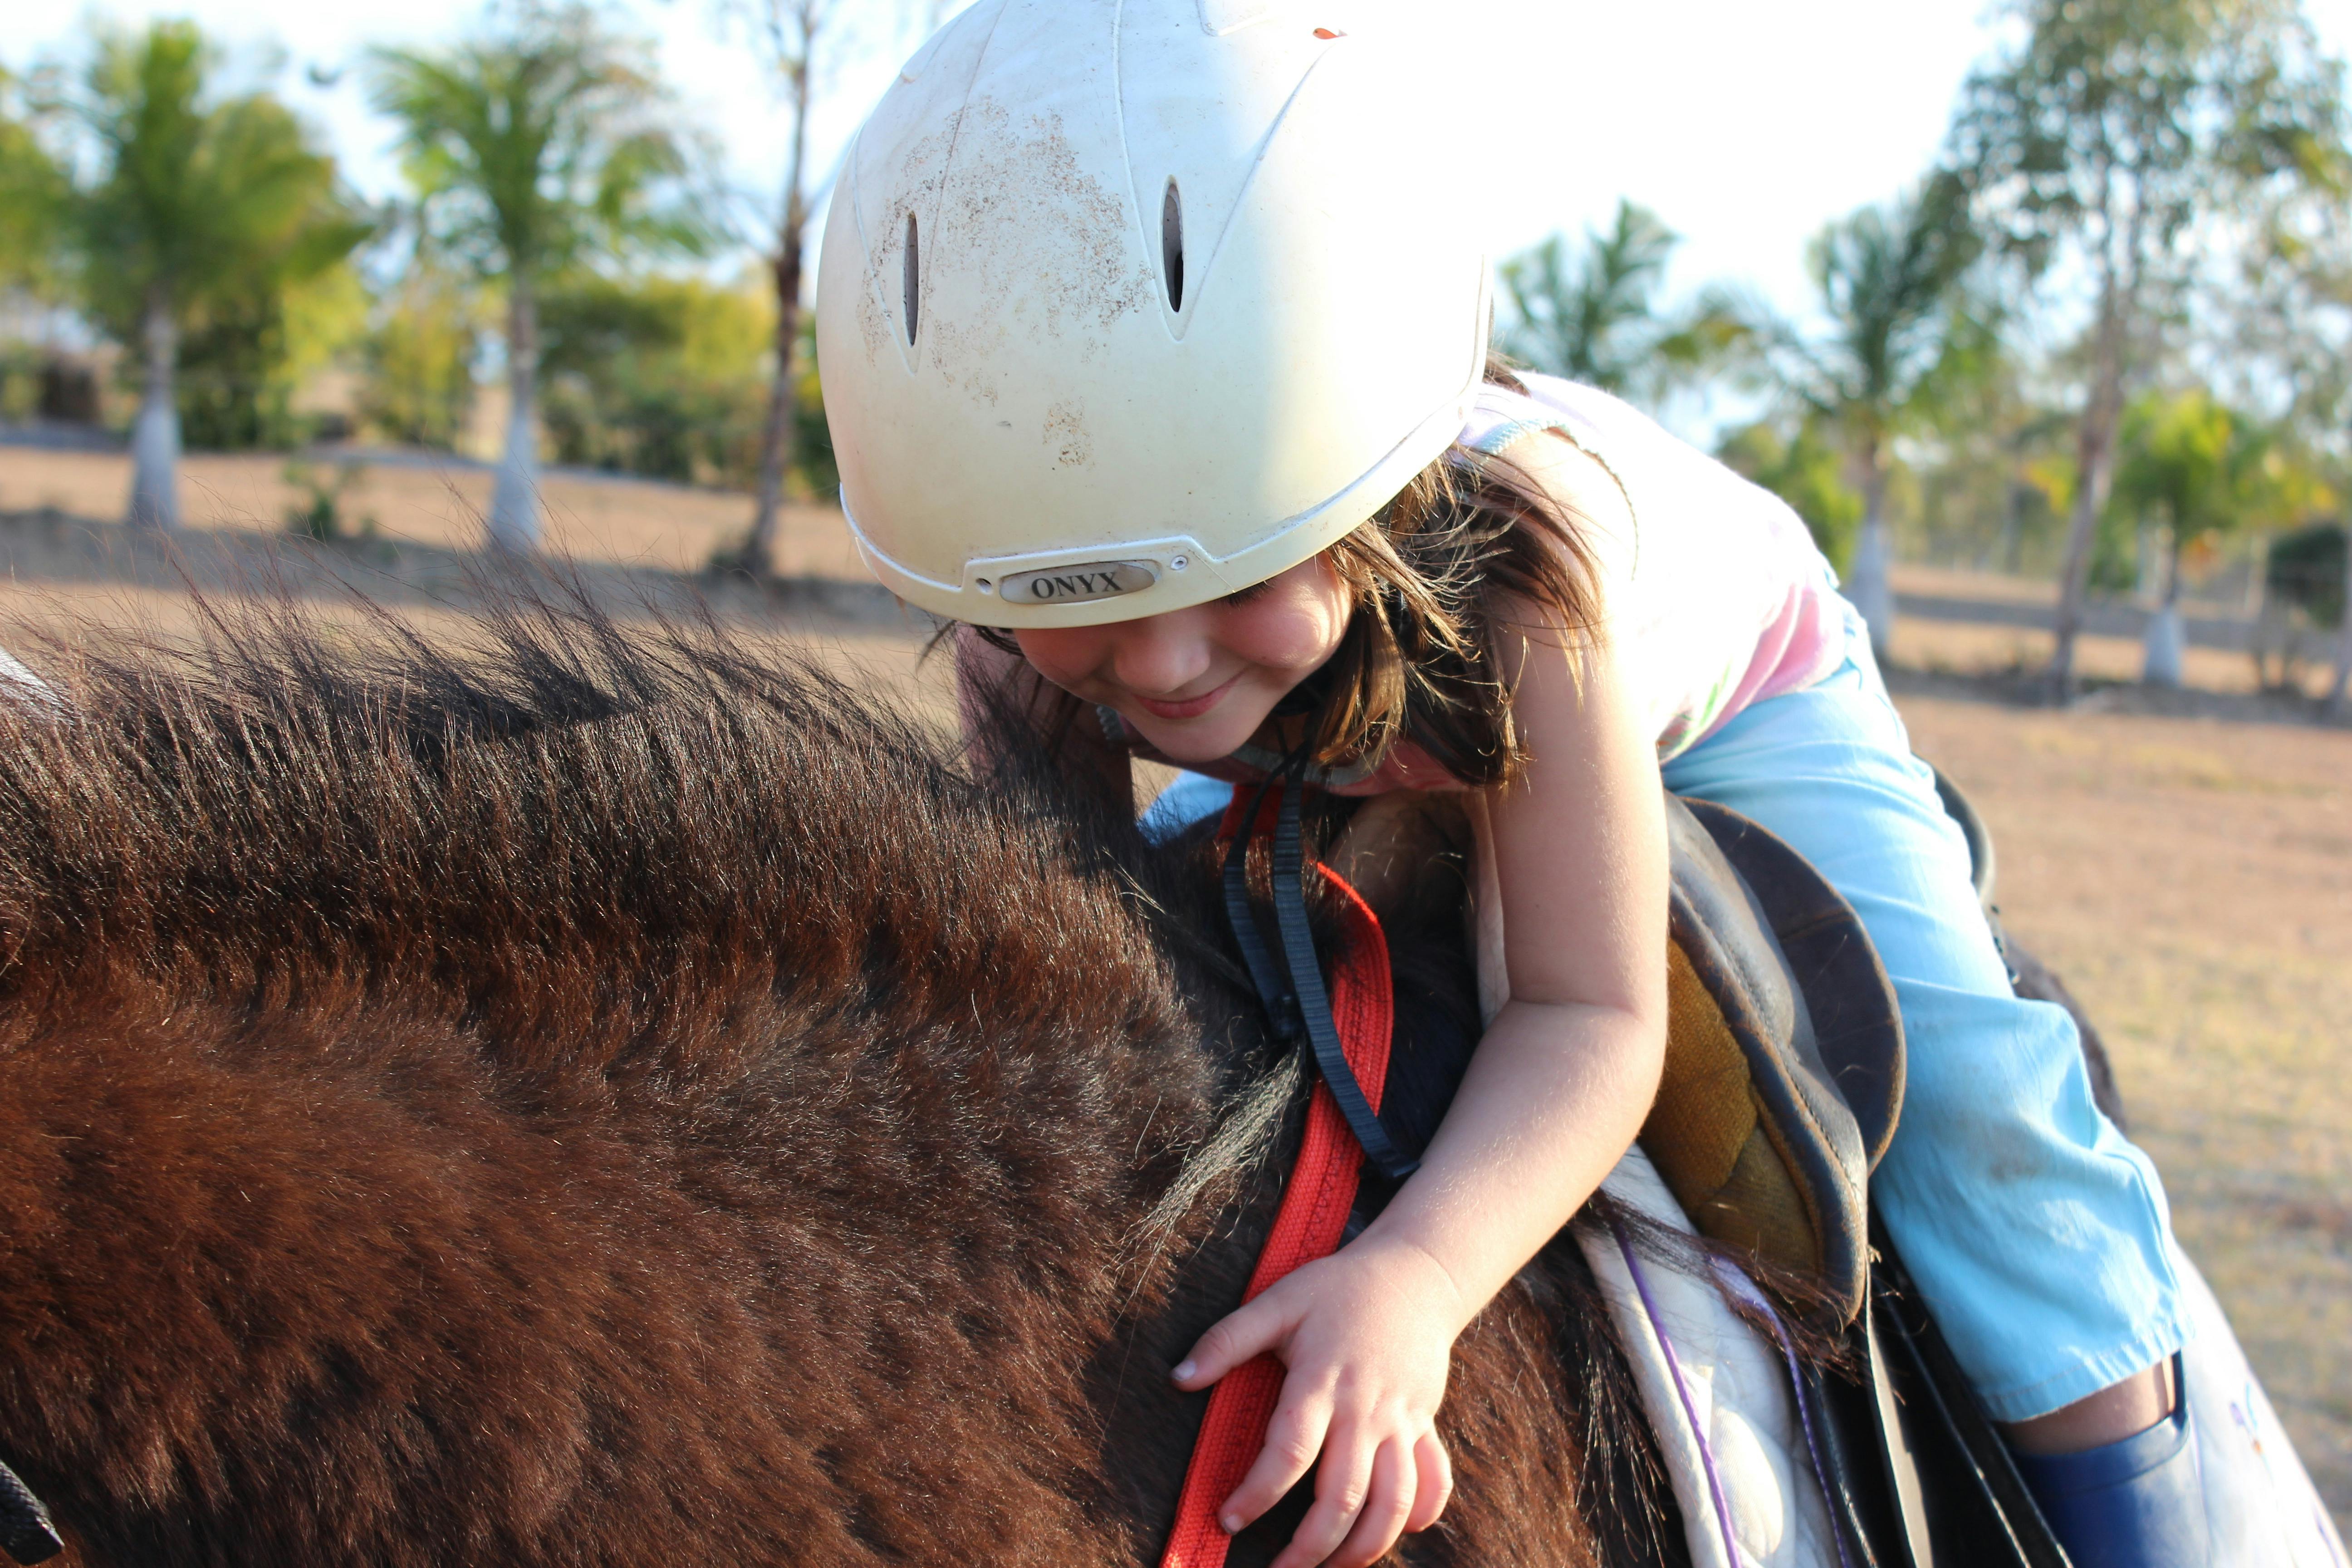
{"x": 1719, "y": 1398}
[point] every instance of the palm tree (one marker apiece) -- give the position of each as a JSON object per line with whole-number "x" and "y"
{"x": 198, "y": 207}
{"x": 1594, "y": 318}
{"x": 1886, "y": 278}
{"x": 539, "y": 146}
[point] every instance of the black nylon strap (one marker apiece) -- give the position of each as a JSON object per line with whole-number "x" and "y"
{"x": 25, "y": 1531}
{"x": 1281, "y": 1004}
{"x": 1303, "y": 1004}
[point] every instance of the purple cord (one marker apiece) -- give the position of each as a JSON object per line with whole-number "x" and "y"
{"x": 1682, "y": 1389}
{"x": 1742, "y": 1286}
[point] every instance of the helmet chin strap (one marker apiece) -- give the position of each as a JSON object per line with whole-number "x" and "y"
{"x": 1291, "y": 990}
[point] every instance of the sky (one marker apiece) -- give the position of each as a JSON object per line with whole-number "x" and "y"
{"x": 1746, "y": 126}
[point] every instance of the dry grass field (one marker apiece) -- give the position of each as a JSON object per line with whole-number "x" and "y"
{"x": 2188, "y": 869}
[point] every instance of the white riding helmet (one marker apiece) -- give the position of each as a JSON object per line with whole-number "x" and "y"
{"x": 1128, "y": 304}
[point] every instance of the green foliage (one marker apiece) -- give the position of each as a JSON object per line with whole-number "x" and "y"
{"x": 2202, "y": 469}
{"x": 1808, "y": 472}
{"x": 657, "y": 377}
{"x": 419, "y": 356}
{"x": 209, "y": 214}
{"x": 1595, "y": 318}
{"x": 2306, "y": 571}
{"x": 33, "y": 194}
{"x": 2117, "y": 123}
{"x": 668, "y": 377}
{"x": 1590, "y": 319}
{"x": 319, "y": 515}
{"x": 1886, "y": 278}
{"x": 540, "y": 147}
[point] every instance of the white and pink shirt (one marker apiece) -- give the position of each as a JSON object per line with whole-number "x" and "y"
{"x": 1718, "y": 598}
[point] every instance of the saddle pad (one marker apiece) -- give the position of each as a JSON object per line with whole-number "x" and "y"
{"x": 1718, "y": 1395}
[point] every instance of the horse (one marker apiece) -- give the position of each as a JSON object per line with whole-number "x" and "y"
{"x": 605, "y": 1092}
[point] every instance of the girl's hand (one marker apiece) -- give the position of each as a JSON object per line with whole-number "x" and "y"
{"x": 1367, "y": 1335}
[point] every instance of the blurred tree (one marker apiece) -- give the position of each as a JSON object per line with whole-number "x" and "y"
{"x": 535, "y": 148}
{"x": 2096, "y": 140}
{"x": 33, "y": 192}
{"x": 791, "y": 36}
{"x": 2203, "y": 471}
{"x": 1594, "y": 318}
{"x": 203, "y": 214}
{"x": 242, "y": 363}
{"x": 1806, "y": 471}
{"x": 2306, "y": 577}
{"x": 658, "y": 376}
{"x": 420, "y": 354}
{"x": 1887, "y": 280}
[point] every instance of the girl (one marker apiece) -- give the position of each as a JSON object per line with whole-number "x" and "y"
{"x": 1143, "y": 340}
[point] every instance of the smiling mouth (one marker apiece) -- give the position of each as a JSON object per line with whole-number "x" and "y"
{"x": 1190, "y": 707}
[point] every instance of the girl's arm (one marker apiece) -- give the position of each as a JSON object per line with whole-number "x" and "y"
{"x": 1554, "y": 1096}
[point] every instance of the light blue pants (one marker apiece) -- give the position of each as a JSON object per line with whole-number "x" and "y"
{"x": 2037, "y": 1232}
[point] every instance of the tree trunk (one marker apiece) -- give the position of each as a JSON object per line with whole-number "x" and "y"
{"x": 776, "y": 441}
{"x": 514, "y": 503}
{"x": 776, "y": 454}
{"x": 2095, "y": 461}
{"x": 2166, "y": 648}
{"x": 1871, "y": 586}
{"x": 155, "y": 437}
{"x": 2340, "y": 695}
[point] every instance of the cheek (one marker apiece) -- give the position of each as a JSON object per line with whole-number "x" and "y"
{"x": 1063, "y": 655}
{"x": 1295, "y": 638}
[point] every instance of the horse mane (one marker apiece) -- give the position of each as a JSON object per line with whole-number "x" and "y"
{"x": 359, "y": 993}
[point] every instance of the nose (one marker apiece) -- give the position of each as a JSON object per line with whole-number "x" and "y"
{"x": 1160, "y": 656}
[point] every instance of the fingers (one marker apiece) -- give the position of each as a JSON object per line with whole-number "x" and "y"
{"x": 1293, "y": 1438}
{"x": 1240, "y": 1336}
{"x": 1387, "y": 1506}
{"x": 1434, "y": 1483}
{"x": 1343, "y": 1488}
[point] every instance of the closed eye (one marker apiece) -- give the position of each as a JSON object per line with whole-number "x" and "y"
{"x": 1243, "y": 595}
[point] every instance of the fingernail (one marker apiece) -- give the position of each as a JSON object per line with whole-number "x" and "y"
{"x": 1233, "y": 1523}
{"x": 1184, "y": 1371}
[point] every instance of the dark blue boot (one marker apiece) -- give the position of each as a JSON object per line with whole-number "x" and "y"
{"x": 2140, "y": 1503}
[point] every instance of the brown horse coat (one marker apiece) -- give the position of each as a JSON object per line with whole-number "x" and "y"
{"x": 609, "y": 1099}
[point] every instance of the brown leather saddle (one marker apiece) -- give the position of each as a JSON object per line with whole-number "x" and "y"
{"x": 1784, "y": 1057}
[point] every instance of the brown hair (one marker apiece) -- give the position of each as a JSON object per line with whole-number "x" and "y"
{"x": 1444, "y": 577}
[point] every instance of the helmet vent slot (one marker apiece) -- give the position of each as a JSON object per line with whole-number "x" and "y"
{"x": 912, "y": 278}
{"x": 1172, "y": 245}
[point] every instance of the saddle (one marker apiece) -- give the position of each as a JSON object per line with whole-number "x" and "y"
{"x": 1782, "y": 1085}
{"x": 1784, "y": 1058}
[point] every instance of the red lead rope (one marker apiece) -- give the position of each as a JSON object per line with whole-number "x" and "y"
{"x": 1314, "y": 1216}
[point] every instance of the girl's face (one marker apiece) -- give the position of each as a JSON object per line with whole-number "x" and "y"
{"x": 1197, "y": 683}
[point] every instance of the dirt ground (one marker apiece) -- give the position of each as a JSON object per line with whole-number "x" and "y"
{"x": 438, "y": 504}
{"x": 2184, "y": 859}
